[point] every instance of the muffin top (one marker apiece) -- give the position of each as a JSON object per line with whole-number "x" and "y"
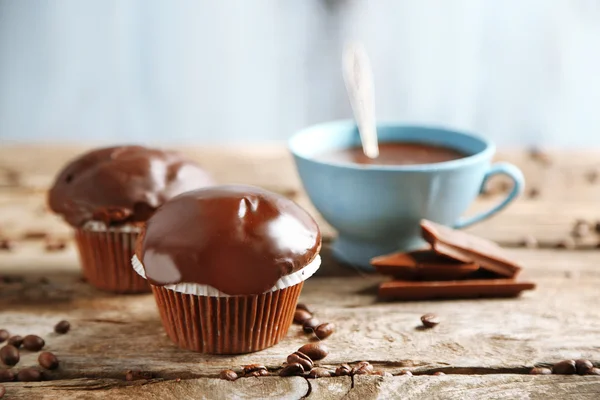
{"x": 124, "y": 184}
{"x": 238, "y": 239}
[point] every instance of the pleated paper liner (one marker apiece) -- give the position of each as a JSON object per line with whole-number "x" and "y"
{"x": 105, "y": 257}
{"x": 227, "y": 325}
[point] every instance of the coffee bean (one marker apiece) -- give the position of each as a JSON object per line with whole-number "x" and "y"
{"x": 294, "y": 369}
{"x": 4, "y": 335}
{"x": 48, "y": 360}
{"x": 591, "y": 176}
{"x": 533, "y": 193}
{"x": 315, "y": 351}
{"x": 301, "y": 316}
{"x": 407, "y": 373}
{"x": 530, "y": 242}
{"x": 7, "y": 244}
{"x": 253, "y": 368}
{"x": 228, "y": 375}
{"x": 2, "y": 391}
{"x": 580, "y": 229}
{"x": 362, "y": 368}
{"x": 566, "y": 243}
{"x": 16, "y": 341}
{"x": 594, "y": 371}
{"x": 343, "y": 370}
{"x": 260, "y": 372}
{"x": 29, "y": 375}
{"x": 62, "y": 327}
{"x": 583, "y": 366}
{"x": 302, "y": 306}
{"x": 540, "y": 371}
{"x": 6, "y": 375}
{"x": 325, "y": 330}
{"x": 310, "y": 325}
{"x": 382, "y": 373}
{"x": 319, "y": 372}
{"x": 430, "y": 320}
{"x": 9, "y": 355}
{"x": 597, "y": 227}
{"x": 33, "y": 343}
{"x": 301, "y": 359}
{"x": 137, "y": 375}
{"x": 565, "y": 367}
{"x": 540, "y": 156}
{"x": 439, "y": 373}
{"x": 55, "y": 245}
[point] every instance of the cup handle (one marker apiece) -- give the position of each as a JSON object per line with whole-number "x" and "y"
{"x": 514, "y": 174}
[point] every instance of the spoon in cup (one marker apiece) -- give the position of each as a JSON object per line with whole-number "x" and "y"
{"x": 359, "y": 85}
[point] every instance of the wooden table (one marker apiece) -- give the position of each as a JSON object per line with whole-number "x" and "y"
{"x": 485, "y": 347}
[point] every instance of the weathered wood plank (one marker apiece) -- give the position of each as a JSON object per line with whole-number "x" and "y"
{"x": 112, "y": 334}
{"x": 449, "y": 387}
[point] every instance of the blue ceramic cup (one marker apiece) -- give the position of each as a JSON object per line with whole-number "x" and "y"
{"x": 376, "y": 209}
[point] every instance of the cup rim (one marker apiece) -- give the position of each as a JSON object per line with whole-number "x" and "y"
{"x": 486, "y": 153}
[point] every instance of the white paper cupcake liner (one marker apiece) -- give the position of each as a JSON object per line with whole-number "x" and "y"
{"x": 207, "y": 290}
{"x": 99, "y": 226}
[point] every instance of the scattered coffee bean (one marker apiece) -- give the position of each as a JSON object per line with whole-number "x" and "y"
{"x": 294, "y": 369}
{"x": 48, "y": 360}
{"x": 580, "y": 229}
{"x": 253, "y": 368}
{"x": 567, "y": 243}
{"x": 382, "y": 373}
{"x": 228, "y": 375}
{"x": 315, "y": 351}
{"x": 302, "y": 306}
{"x": 591, "y": 176}
{"x": 4, "y": 335}
{"x": 362, "y": 368}
{"x": 540, "y": 156}
{"x": 597, "y": 227}
{"x": 325, "y": 330}
{"x": 35, "y": 235}
{"x": 565, "y": 367}
{"x": 300, "y": 358}
{"x": 6, "y": 375}
{"x": 407, "y": 373}
{"x": 62, "y": 327}
{"x": 310, "y": 325}
{"x": 16, "y": 341}
{"x": 137, "y": 375}
{"x": 2, "y": 391}
{"x": 29, "y": 375}
{"x": 343, "y": 370}
{"x": 540, "y": 371}
{"x": 439, "y": 373}
{"x": 55, "y": 245}
{"x": 260, "y": 372}
{"x": 9, "y": 355}
{"x": 33, "y": 343}
{"x": 533, "y": 193}
{"x": 583, "y": 366}
{"x": 530, "y": 242}
{"x": 319, "y": 372}
{"x": 6, "y": 244}
{"x": 301, "y": 316}
{"x": 594, "y": 371}
{"x": 430, "y": 320}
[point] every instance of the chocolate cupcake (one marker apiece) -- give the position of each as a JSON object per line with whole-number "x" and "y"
{"x": 226, "y": 265}
{"x": 107, "y": 195}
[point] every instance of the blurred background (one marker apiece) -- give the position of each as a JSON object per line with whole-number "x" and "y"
{"x": 240, "y": 71}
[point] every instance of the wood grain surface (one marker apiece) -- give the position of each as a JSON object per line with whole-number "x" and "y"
{"x": 485, "y": 347}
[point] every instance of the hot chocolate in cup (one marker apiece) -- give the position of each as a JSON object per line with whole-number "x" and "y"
{"x": 376, "y": 205}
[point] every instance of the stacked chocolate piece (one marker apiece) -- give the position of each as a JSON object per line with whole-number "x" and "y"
{"x": 456, "y": 265}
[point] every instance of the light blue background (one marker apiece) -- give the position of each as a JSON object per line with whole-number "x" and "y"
{"x": 207, "y": 72}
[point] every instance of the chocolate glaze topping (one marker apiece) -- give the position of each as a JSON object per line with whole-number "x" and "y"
{"x": 238, "y": 239}
{"x": 124, "y": 184}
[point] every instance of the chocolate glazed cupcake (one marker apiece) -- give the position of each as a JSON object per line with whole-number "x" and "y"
{"x": 226, "y": 265}
{"x": 107, "y": 195}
